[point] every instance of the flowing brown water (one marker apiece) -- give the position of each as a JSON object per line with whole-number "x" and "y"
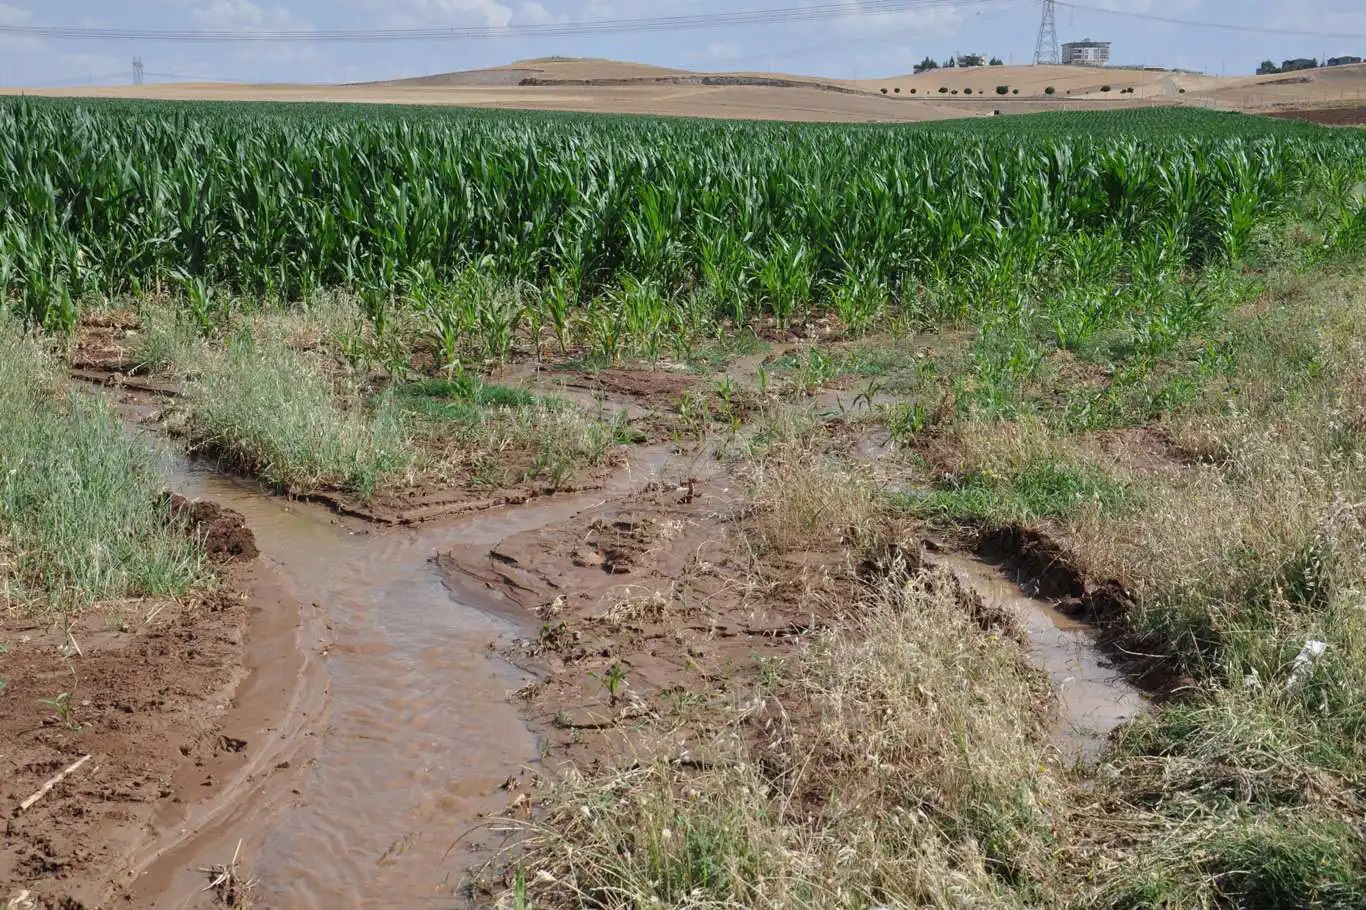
{"x": 1094, "y": 696}
{"x": 418, "y": 731}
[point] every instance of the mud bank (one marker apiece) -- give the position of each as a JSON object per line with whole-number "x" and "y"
{"x": 163, "y": 698}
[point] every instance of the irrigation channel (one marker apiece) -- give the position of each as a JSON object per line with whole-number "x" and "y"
{"x": 396, "y": 750}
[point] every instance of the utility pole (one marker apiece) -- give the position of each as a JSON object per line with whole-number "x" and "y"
{"x": 137, "y": 71}
{"x": 1046, "y": 48}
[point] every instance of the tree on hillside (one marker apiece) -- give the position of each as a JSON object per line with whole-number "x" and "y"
{"x": 971, "y": 60}
{"x": 924, "y": 66}
{"x": 997, "y": 61}
{"x": 1267, "y": 68}
{"x": 1299, "y": 63}
{"x": 950, "y": 63}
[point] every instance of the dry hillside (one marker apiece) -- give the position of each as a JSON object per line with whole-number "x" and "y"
{"x": 570, "y": 84}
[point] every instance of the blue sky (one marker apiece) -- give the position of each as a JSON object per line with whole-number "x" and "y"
{"x": 862, "y": 44}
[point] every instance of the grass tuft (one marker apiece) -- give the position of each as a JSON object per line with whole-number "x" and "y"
{"x": 275, "y": 412}
{"x": 921, "y": 783}
{"x": 81, "y": 516}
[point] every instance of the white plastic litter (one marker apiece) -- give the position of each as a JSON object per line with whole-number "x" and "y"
{"x": 1304, "y": 664}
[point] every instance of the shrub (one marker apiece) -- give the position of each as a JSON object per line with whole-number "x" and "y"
{"x": 912, "y": 91}
{"x": 954, "y": 92}
{"x": 967, "y": 91}
{"x": 884, "y": 91}
{"x": 1015, "y": 91}
{"x": 943, "y": 90}
{"x": 1003, "y": 90}
{"x": 1105, "y": 88}
{"x": 897, "y": 90}
{"x": 1050, "y": 90}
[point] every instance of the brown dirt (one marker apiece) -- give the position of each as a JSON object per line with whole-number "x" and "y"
{"x": 570, "y": 84}
{"x": 421, "y": 503}
{"x": 659, "y": 389}
{"x": 148, "y": 705}
{"x": 1037, "y": 555}
{"x": 224, "y": 531}
{"x": 660, "y": 584}
{"x": 103, "y": 341}
{"x": 666, "y": 592}
{"x": 1348, "y": 115}
{"x": 1044, "y": 558}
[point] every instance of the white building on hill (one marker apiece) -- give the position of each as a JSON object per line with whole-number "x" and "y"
{"x": 1086, "y": 53}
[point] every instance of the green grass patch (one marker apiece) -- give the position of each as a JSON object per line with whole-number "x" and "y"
{"x": 81, "y": 516}
{"x": 813, "y": 368}
{"x": 1250, "y": 862}
{"x": 1047, "y": 489}
{"x": 486, "y": 435}
{"x": 462, "y": 399}
{"x": 275, "y": 413}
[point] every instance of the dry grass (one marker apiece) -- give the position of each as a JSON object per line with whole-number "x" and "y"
{"x": 229, "y": 887}
{"x": 278, "y": 413}
{"x": 502, "y": 446}
{"x": 913, "y": 776}
{"x": 809, "y": 503}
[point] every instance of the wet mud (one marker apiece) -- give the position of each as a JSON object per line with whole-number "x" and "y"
{"x": 381, "y": 684}
{"x": 1095, "y": 693}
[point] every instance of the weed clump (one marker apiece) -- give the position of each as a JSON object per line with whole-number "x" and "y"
{"x": 82, "y": 519}
{"x": 277, "y": 413}
{"x": 901, "y": 791}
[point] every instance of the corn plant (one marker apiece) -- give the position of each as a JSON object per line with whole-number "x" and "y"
{"x": 756, "y": 221}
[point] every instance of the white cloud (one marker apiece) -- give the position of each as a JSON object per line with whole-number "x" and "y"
{"x": 13, "y": 15}
{"x": 1320, "y": 16}
{"x": 910, "y": 24}
{"x": 724, "y": 51}
{"x": 536, "y": 14}
{"x": 417, "y": 13}
{"x": 1176, "y": 8}
{"x": 244, "y": 15}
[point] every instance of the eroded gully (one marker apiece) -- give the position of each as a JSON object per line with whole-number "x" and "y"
{"x": 393, "y": 769}
{"x": 417, "y": 731}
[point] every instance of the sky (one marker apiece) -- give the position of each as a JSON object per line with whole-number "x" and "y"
{"x": 861, "y": 44}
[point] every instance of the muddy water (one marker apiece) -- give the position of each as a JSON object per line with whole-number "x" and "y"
{"x": 1094, "y": 696}
{"x": 418, "y": 732}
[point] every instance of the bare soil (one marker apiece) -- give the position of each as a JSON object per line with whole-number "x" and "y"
{"x": 153, "y": 706}
{"x": 1346, "y": 115}
{"x": 569, "y": 84}
{"x": 657, "y": 602}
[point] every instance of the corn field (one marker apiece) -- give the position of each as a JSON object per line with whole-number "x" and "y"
{"x": 406, "y": 207}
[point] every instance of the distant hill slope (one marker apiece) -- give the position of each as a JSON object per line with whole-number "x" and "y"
{"x": 609, "y": 86}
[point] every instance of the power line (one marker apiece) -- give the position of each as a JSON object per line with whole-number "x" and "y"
{"x": 91, "y": 79}
{"x": 789, "y": 14}
{"x": 1046, "y": 46}
{"x": 881, "y": 38}
{"x": 1227, "y": 26}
